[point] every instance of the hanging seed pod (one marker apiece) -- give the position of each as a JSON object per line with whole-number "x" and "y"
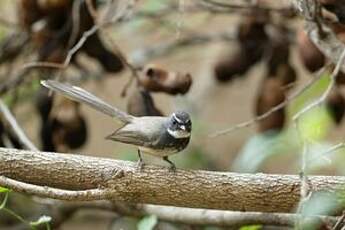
{"x": 231, "y": 67}
{"x": 141, "y": 103}
{"x": 252, "y": 40}
{"x": 311, "y": 57}
{"x": 68, "y": 124}
{"x": 64, "y": 127}
{"x": 156, "y": 79}
{"x": 335, "y": 103}
{"x": 271, "y": 94}
{"x": 336, "y": 7}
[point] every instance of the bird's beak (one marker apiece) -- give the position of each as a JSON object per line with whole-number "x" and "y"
{"x": 183, "y": 127}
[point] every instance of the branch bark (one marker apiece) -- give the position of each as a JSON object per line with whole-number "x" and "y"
{"x": 120, "y": 181}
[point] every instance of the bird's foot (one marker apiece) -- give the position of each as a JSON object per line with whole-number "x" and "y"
{"x": 140, "y": 165}
{"x": 172, "y": 167}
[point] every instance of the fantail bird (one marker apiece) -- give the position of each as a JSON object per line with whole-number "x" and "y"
{"x": 155, "y": 135}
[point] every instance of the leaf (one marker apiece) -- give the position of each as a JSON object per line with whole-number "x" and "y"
{"x": 148, "y": 222}
{"x": 251, "y": 227}
{"x": 3, "y": 190}
{"x": 42, "y": 220}
{"x": 315, "y": 124}
{"x": 4, "y": 202}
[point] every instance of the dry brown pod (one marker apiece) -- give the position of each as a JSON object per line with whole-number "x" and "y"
{"x": 271, "y": 94}
{"x": 252, "y": 42}
{"x": 63, "y": 126}
{"x": 232, "y": 66}
{"x": 336, "y": 7}
{"x": 311, "y": 57}
{"x": 50, "y": 24}
{"x": 157, "y": 79}
{"x": 335, "y": 103}
{"x": 140, "y": 103}
{"x": 53, "y": 5}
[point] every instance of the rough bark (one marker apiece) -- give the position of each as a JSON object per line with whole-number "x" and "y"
{"x": 121, "y": 181}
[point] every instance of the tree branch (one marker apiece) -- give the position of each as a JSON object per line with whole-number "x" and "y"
{"x": 156, "y": 185}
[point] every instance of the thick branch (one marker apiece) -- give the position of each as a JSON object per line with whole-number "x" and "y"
{"x": 156, "y": 185}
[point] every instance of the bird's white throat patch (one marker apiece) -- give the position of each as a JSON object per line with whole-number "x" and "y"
{"x": 178, "y": 133}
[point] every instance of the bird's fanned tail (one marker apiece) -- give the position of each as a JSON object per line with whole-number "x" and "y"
{"x": 78, "y": 94}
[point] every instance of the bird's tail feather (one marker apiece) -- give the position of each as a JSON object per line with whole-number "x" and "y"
{"x": 78, "y": 94}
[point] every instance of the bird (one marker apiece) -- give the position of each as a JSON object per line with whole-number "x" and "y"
{"x": 158, "y": 136}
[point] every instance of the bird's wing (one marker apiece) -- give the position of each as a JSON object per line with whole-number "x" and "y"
{"x": 143, "y": 131}
{"x": 78, "y": 94}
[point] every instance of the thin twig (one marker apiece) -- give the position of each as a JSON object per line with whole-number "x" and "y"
{"x": 17, "y": 130}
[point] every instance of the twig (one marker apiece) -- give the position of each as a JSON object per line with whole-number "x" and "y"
{"x": 225, "y": 6}
{"x": 17, "y": 130}
{"x": 339, "y": 222}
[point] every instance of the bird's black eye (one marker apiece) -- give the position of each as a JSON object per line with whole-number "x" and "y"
{"x": 174, "y": 122}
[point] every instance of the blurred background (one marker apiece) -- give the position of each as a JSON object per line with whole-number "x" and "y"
{"x": 223, "y": 64}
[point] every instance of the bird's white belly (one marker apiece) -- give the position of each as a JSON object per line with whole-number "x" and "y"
{"x": 157, "y": 152}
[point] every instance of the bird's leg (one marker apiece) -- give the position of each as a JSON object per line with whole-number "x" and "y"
{"x": 172, "y": 165}
{"x": 140, "y": 162}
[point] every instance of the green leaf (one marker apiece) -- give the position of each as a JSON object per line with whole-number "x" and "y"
{"x": 315, "y": 124}
{"x": 147, "y": 223}
{"x": 251, "y": 227}
{"x": 4, "y": 202}
{"x": 3, "y": 190}
{"x": 42, "y": 220}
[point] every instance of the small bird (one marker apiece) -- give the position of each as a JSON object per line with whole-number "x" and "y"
{"x": 155, "y": 135}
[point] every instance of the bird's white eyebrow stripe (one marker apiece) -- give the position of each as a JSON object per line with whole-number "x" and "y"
{"x": 175, "y": 117}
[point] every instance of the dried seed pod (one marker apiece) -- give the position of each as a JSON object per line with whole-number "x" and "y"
{"x": 63, "y": 127}
{"x": 271, "y": 94}
{"x": 231, "y": 67}
{"x": 53, "y": 5}
{"x": 340, "y": 78}
{"x": 69, "y": 127}
{"x": 156, "y": 79}
{"x": 252, "y": 40}
{"x": 279, "y": 48}
{"x": 336, "y": 7}
{"x": 335, "y": 103}
{"x": 141, "y": 103}
{"x": 286, "y": 74}
{"x": 51, "y": 26}
{"x": 311, "y": 57}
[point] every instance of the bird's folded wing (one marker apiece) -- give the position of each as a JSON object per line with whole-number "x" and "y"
{"x": 81, "y": 95}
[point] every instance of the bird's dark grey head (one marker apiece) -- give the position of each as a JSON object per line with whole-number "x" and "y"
{"x": 180, "y": 125}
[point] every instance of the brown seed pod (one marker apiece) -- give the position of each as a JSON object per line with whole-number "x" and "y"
{"x": 53, "y": 5}
{"x": 141, "y": 103}
{"x": 63, "y": 127}
{"x": 311, "y": 57}
{"x": 336, "y": 7}
{"x": 335, "y": 103}
{"x": 286, "y": 74}
{"x": 156, "y": 79}
{"x": 231, "y": 67}
{"x": 51, "y": 26}
{"x": 271, "y": 93}
{"x": 252, "y": 39}
{"x": 340, "y": 78}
